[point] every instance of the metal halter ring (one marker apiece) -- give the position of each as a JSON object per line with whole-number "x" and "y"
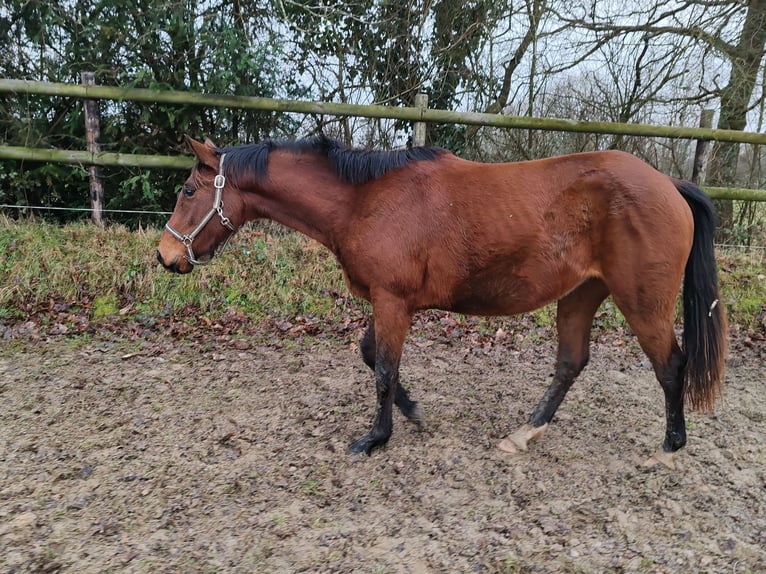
{"x": 217, "y": 208}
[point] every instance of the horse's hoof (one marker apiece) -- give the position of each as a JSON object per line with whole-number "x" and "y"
{"x": 666, "y": 459}
{"x": 365, "y": 445}
{"x": 417, "y": 417}
{"x": 519, "y": 441}
{"x": 361, "y": 446}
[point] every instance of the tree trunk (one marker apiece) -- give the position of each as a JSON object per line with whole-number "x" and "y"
{"x": 745, "y": 59}
{"x": 706, "y": 121}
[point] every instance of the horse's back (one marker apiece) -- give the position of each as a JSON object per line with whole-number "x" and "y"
{"x": 509, "y": 237}
{"x": 590, "y": 199}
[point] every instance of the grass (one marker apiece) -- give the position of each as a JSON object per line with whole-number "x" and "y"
{"x": 265, "y": 273}
{"x": 114, "y": 270}
{"x": 743, "y": 287}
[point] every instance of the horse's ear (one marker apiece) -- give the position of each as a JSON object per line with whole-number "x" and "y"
{"x": 206, "y": 152}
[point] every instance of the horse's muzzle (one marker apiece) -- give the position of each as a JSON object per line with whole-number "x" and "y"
{"x": 172, "y": 266}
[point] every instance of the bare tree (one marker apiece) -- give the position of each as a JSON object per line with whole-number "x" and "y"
{"x": 745, "y": 57}
{"x": 715, "y": 36}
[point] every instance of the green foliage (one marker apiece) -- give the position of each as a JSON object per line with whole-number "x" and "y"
{"x": 171, "y": 44}
{"x": 395, "y": 50}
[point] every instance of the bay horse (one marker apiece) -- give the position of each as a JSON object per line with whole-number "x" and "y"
{"x": 421, "y": 228}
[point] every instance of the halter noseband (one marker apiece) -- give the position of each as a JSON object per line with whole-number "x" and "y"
{"x": 218, "y": 183}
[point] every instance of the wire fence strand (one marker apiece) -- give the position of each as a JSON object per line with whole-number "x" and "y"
{"x": 742, "y": 247}
{"x": 52, "y": 208}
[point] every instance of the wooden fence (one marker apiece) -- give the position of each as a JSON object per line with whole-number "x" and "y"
{"x": 420, "y": 114}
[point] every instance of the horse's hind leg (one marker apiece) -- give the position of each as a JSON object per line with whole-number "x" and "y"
{"x": 407, "y": 406}
{"x": 670, "y": 374}
{"x": 573, "y": 320}
{"x": 653, "y": 326}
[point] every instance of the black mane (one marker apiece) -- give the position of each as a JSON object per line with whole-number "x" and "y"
{"x": 355, "y": 166}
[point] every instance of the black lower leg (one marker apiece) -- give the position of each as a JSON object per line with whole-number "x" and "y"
{"x": 554, "y": 395}
{"x": 367, "y": 346}
{"x": 672, "y": 381}
{"x": 386, "y": 382}
{"x": 407, "y": 406}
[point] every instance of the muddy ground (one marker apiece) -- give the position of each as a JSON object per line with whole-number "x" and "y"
{"x": 228, "y": 455}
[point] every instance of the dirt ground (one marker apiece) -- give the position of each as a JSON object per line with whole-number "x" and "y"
{"x": 229, "y": 456}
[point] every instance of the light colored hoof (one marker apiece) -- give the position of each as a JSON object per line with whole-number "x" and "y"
{"x": 666, "y": 459}
{"x": 417, "y": 417}
{"x": 518, "y": 441}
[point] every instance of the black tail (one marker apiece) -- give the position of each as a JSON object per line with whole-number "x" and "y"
{"x": 704, "y": 338}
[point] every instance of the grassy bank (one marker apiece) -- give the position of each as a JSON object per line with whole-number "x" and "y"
{"x": 264, "y": 273}
{"x": 106, "y": 271}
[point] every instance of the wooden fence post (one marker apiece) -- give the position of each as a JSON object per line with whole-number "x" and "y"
{"x": 419, "y": 128}
{"x": 706, "y": 121}
{"x": 92, "y": 135}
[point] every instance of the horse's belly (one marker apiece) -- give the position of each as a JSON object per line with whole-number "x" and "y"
{"x": 500, "y": 296}
{"x": 495, "y": 306}
{"x": 509, "y": 291}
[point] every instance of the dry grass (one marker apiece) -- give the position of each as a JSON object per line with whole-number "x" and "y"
{"x": 265, "y": 272}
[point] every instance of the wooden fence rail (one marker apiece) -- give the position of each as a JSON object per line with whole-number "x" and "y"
{"x": 102, "y": 158}
{"x": 414, "y": 114}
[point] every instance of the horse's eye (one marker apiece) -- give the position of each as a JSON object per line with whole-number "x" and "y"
{"x": 188, "y": 191}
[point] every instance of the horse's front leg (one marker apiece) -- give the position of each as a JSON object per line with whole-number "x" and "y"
{"x": 391, "y": 322}
{"x": 402, "y": 400}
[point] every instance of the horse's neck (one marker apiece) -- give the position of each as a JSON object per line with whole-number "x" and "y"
{"x": 305, "y": 194}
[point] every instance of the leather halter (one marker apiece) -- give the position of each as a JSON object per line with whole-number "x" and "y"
{"x": 217, "y": 208}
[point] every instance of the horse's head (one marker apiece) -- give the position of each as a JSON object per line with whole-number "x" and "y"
{"x": 199, "y": 223}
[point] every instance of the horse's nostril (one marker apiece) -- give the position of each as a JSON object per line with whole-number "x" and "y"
{"x": 169, "y": 266}
{"x": 173, "y": 266}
